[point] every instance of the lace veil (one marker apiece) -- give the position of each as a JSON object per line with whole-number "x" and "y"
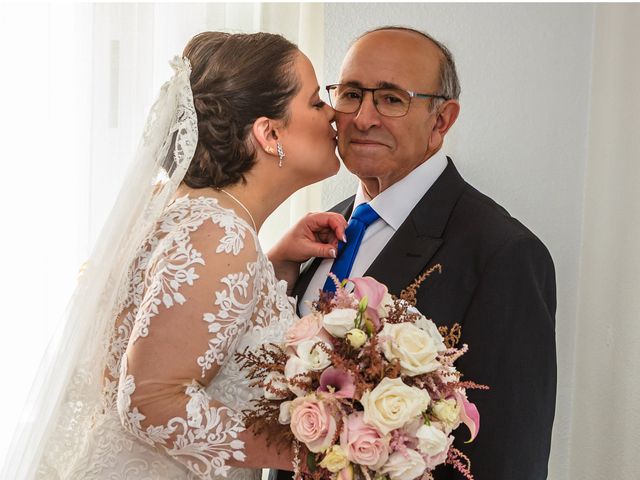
{"x": 67, "y": 394}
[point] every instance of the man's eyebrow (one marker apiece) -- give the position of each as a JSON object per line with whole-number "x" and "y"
{"x": 389, "y": 85}
{"x": 381, "y": 84}
{"x": 351, "y": 83}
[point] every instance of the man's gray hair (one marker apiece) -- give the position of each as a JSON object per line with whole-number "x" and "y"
{"x": 449, "y": 83}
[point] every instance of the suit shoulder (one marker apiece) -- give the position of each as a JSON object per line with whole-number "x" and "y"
{"x": 486, "y": 221}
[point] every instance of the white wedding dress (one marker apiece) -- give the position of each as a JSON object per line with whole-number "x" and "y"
{"x": 199, "y": 290}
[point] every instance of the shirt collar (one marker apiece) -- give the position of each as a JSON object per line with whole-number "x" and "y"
{"x": 396, "y": 202}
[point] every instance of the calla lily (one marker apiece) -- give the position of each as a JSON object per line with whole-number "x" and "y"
{"x": 375, "y": 293}
{"x": 469, "y": 415}
{"x": 338, "y": 382}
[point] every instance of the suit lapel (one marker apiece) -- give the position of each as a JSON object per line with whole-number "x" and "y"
{"x": 419, "y": 237}
{"x": 415, "y": 243}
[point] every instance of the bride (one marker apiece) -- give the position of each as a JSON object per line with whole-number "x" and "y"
{"x": 144, "y": 384}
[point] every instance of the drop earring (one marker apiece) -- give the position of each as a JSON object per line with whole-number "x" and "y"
{"x": 281, "y": 154}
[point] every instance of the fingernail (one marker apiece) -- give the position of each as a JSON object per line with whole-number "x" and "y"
{"x": 332, "y": 252}
{"x": 344, "y": 238}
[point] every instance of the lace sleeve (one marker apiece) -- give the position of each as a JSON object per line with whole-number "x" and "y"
{"x": 198, "y": 300}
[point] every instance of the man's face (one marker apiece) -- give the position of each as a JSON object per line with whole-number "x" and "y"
{"x": 382, "y": 150}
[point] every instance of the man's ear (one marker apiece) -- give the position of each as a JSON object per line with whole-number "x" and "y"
{"x": 264, "y": 131}
{"x": 446, "y": 116}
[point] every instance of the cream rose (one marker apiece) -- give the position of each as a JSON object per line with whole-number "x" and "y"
{"x": 415, "y": 349}
{"x": 423, "y": 323}
{"x": 335, "y": 459}
{"x": 340, "y": 321}
{"x": 392, "y": 404}
{"x": 448, "y": 411}
{"x": 404, "y": 465}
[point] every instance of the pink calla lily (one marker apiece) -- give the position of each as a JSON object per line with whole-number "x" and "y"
{"x": 469, "y": 415}
{"x": 338, "y": 382}
{"x": 374, "y": 291}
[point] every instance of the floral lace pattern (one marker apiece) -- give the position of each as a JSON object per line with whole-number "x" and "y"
{"x": 251, "y": 309}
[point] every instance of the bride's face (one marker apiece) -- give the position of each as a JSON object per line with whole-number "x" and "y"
{"x": 309, "y": 139}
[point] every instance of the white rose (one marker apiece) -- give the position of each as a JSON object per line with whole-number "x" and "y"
{"x": 431, "y": 440}
{"x": 340, "y": 321}
{"x": 313, "y": 354}
{"x": 279, "y": 382}
{"x": 385, "y": 305}
{"x": 423, "y": 323}
{"x": 285, "y": 413}
{"x": 399, "y": 467}
{"x": 392, "y": 404}
{"x": 296, "y": 366}
{"x": 415, "y": 349}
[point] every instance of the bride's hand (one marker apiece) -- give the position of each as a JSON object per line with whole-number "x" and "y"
{"x": 315, "y": 235}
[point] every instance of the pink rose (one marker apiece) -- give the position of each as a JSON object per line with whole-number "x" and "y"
{"x": 364, "y": 444}
{"x": 313, "y": 422}
{"x": 305, "y": 328}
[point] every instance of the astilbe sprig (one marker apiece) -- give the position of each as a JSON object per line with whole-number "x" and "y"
{"x": 257, "y": 364}
{"x": 451, "y": 355}
{"x": 324, "y": 303}
{"x": 460, "y": 462}
{"x": 451, "y": 336}
{"x": 263, "y": 419}
{"x": 398, "y": 312}
{"x": 409, "y": 293}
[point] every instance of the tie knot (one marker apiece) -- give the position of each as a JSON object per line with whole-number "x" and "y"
{"x": 365, "y": 214}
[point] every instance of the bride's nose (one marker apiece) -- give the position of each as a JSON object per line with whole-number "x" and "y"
{"x": 331, "y": 113}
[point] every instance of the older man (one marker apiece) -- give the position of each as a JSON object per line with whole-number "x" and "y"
{"x": 396, "y": 99}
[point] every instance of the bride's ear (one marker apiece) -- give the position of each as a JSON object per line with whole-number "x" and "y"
{"x": 264, "y": 134}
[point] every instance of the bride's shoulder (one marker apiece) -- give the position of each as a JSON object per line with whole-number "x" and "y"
{"x": 206, "y": 222}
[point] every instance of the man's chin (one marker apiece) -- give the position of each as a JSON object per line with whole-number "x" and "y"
{"x": 364, "y": 166}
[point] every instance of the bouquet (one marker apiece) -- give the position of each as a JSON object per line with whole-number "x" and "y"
{"x": 366, "y": 387}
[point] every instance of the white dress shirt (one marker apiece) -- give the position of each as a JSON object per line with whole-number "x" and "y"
{"x": 393, "y": 205}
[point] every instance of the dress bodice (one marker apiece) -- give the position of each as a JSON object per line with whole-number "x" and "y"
{"x": 199, "y": 290}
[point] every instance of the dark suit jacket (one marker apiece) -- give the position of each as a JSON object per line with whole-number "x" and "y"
{"x": 498, "y": 283}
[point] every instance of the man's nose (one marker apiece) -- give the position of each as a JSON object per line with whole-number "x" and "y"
{"x": 367, "y": 115}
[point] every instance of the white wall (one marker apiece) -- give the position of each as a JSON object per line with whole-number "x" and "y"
{"x": 522, "y": 135}
{"x": 606, "y": 424}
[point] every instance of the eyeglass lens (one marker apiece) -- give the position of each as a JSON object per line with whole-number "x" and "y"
{"x": 388, "y": 101}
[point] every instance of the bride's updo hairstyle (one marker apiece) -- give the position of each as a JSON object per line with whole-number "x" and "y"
{"x": 235, "y": 79}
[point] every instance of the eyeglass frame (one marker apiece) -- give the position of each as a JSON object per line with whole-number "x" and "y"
{"x": 411, "y": 94}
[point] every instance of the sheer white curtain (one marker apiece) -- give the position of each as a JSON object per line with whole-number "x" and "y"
{"x": 606, "y": 417}
{"x": 77, "y": 82}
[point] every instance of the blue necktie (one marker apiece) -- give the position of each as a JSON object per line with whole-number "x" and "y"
{"x": 362, "y": 217}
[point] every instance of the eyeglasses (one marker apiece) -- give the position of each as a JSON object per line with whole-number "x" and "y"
{"x": 390, "y": 102}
